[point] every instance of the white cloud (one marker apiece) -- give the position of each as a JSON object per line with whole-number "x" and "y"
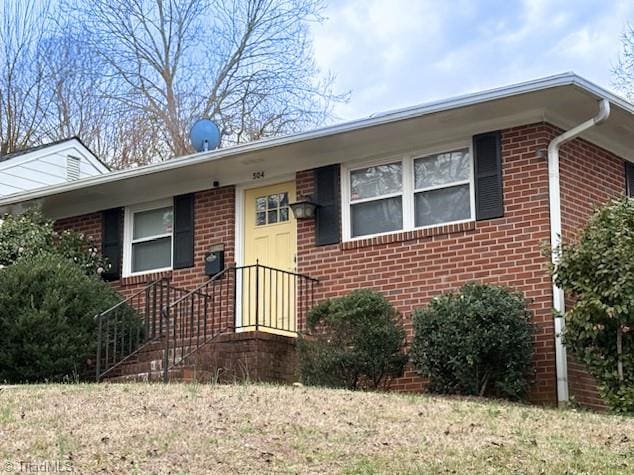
{"x": 369, "y": 44}
{"x": 581, "y": 44}
{"x": 397, "y": 53}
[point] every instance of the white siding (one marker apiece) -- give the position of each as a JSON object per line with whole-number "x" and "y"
{"x": 8, "y": 189}
{"x": 45, "y": 167}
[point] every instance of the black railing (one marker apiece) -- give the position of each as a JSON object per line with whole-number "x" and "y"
{"x": 197, "y": 317}
{"x": 273, "y": 299}
{"x": 125, "y": 328}
{"x": 249, "y": 298}
{"x": 254, "y": 297}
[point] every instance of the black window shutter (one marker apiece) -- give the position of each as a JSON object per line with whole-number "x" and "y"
{"x": 488, "y": 175}
{"x": 111, "y": 244}
{"x": 629, "y": 179}
{"x": 327, "y": 229}
{"x": 183, "y": 231}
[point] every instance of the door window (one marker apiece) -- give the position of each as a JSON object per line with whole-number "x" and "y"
{"x": 271, "y": 209}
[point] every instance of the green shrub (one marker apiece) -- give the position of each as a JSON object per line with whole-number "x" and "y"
{"x": 47, "y": 325}
{"x": 30, "y": 234}
{"x": 598, "y": 272}
{"x": 475, "y": 342}
{"x": 356, "y": 340}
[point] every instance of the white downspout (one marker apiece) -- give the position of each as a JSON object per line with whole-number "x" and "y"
{"x": 555, "y": 237}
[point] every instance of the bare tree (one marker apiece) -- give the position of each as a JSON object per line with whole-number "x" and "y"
{"x": 49, "y": 88}
{"x": 246, "y": 63}
{"x": 624, "y": 70}
{"x": 131, "y": 76}
{"x": 74, "y": 85}
{"x": 23, "y": 102}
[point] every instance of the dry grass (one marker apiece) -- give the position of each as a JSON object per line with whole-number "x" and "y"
{"x": 145, "y": 428}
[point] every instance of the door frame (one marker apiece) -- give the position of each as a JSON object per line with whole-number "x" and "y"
{"x": 238, "y": 245}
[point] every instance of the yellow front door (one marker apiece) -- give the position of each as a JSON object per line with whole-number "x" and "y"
{"x": 270, "y": 240}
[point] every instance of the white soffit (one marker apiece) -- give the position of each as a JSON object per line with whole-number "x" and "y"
{"x": 563, "y": 100}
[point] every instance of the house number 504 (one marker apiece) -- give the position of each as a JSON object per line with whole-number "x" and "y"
{"x": 258, "y": 175}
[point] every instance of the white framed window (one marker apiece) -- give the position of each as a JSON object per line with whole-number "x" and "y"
{"x": 414, "y": 191}
{"x": 148, "y": 237}
{"x": 271, "y": 209}
{"x": 376, "y": 199}
{"x": 442, "y": 188}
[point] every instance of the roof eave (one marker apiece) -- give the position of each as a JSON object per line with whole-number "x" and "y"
{"x": 376, "y": 120}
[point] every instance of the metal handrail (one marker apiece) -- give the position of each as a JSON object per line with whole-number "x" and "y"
{"x": 131, "y": 297}
{"x": 101, "y": 321}
{"x": 262, "y": 266}
{"x": 190, "y": 319}
{"x": 197, "y": 289}
{"x": 265, "y": 283}
{"x": 165, "y": 317}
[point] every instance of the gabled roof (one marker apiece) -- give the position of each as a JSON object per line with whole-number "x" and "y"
{"x": 40, "y": 147}
{"x": 563, "y": 100}
{"x": 47, "y": 165}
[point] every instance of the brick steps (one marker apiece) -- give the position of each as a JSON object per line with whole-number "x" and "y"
{"x": 187, "y": 374}
{"x": 148, "y": 360}
{"x": 150, "y": 357}
{"x": 230, "y": 357}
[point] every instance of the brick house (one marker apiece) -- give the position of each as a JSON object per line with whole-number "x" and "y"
{"x": 412, "y": 203}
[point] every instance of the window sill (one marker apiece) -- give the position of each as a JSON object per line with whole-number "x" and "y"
{"x": 145, "y": 278}
{"x": 403, "y": 236}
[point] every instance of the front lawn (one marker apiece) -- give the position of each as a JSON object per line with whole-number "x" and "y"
{"x": 193, "y": 428}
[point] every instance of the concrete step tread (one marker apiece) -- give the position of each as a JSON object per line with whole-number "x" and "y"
{"x": 180, "y": 374}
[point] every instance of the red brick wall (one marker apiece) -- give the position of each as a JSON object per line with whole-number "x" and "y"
{"x": 411, "y": 268}
{"x": 88, "y": 224}
{"x": 590, "y": 177}
{"x": 214, "y": 224}
{"x": 582, "y": 387}
{"x": 252, "y": 356}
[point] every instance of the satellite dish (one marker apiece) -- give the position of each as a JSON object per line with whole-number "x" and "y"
{"x": 204, "y": 135}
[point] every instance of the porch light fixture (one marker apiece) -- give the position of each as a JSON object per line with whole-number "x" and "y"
{"x": 304, "y": 208}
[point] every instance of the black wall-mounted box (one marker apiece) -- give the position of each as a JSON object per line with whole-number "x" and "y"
{"x": 214, "y": 262}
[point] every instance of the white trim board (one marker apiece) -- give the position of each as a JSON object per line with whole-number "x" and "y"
{"x": 128, "y": 226}
{"x": 238, "y": 245}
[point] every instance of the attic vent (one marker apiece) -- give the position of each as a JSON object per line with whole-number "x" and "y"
{"x": 72, "y": 168}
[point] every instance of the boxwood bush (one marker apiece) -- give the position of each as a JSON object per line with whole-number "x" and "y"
{"x": 47, "y": 325}
{"x": 354, "y": 341}
{"x": 475, "y": 342}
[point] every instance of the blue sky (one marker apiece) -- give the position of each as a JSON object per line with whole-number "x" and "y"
{"x": 395, "y": 53}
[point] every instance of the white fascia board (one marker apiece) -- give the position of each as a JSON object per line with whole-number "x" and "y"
{"x": 380, "y": 119}
{"x": 90, "y": 156}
